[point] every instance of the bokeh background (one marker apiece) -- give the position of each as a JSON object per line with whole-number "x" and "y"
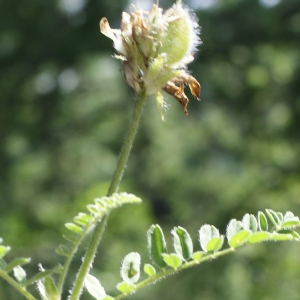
{"x": 65, "y": 109}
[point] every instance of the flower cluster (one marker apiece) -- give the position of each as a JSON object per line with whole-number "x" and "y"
{"x": 155, "y": 48}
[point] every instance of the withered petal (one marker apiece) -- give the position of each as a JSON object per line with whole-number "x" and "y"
{"x": 193, "y": 84}
{"x": 105, "y": 28}
{"x": 125, "y": 22}
{"x": 178, "y": 93}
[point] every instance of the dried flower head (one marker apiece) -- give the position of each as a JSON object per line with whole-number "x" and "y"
{"x": 155, "y": 48}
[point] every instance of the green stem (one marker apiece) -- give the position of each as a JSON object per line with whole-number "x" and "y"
{"x": 17, "y": 286}
{"x": 71, "y": 255}
{"x": 128, "y": 142}
{"x": 114, "y": 185}
{"x": 168, "y": 272}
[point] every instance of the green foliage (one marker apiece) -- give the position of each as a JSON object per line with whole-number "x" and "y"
{"x": 250, "y": 230}
{"x": 207, "y": 233}
{"x": 86, "y": 222}
{"x": 130, "y": 269}
{"x": 182, "y": 243}
{"x": 51, "y": 291}
{"x": 238, "y": 234}
{"x": 94, "y": 287}
{"x": 149, "y": 270}
{"x": 64, "y": 106}
{"x": 156, "y": 245}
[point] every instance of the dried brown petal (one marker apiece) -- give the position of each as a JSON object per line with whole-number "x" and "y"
{"x": 193, "y": 84}
{"x": 125, "y": 23}
{"x": 178, "y": 93}
{"x": 105, "y": 28}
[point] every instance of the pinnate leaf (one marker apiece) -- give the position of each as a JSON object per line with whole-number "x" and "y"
{"x": 83, "y": 219}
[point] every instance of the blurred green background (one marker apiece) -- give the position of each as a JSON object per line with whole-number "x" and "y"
{"x": 65, "y": 109}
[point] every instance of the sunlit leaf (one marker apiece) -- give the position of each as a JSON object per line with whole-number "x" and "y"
{"x": 83, "y": 219}
{"x": 280, "y": 217}
{"x": 206, "y": 233}
{"x": 94, "y": 209}
{"x": 281, "y": 237}
{"x": 17, "y": 262}
{"x": 288, "y": 216}
{"x": 156, "y": 245}
{"x": 149, "y": 270}
{"x": 130, "y": 269}
{"x": 73, "y": 227}
{"x": 295, "y": 234}
{"x": 262, "y": 221}
{"x": 182, "y": 242}
{"x": 239, "y": 238}
{"x": 233, "y": 228}
{"x": 290, "y": 223}
{"x": 198, "y": 255}
{"x": 51, "y": 289}
{"x": 126, "y": 287}
{"x": 94, "y": 287}
{"x": 273, "y": 217}
{"x": 215, "y": 244}
{"x": 173, "y": 260}
{"x": 249, "y": 222}
{"x": 20, "y": 274}
{"x": 3, "y": 250}
{"x": 259, "y": 236}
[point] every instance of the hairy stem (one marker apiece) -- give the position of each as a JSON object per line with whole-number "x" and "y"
{"x": 71, "y": 255}
{"x": 114, "y": 185}
{"x": 128, "y": 142}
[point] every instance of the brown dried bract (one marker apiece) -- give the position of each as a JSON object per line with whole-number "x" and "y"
{"x": 193, "y": 84}
{"x": 175, "y": 88}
